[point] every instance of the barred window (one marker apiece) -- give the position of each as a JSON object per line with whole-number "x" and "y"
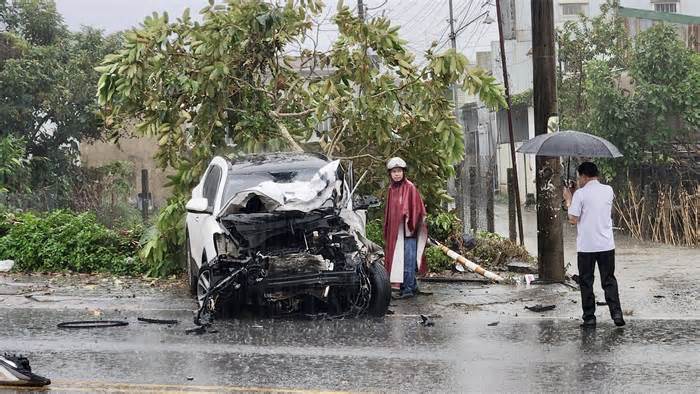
{"x": 666, "y": 7}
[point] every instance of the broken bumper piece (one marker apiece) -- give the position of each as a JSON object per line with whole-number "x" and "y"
{"x": 330, "y": 278}
{"x": 15, "y": 371}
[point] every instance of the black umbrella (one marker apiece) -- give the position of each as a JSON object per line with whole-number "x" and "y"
{"x": 570, "y": 143}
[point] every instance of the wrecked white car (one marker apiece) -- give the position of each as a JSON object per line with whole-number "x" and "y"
{"x": 281, "y": 233}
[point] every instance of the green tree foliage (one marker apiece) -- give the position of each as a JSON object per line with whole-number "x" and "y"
{"x": 659, "y": 116}
{"x": 642, "y": 94}
{"x": 602, "y": 37}
{"x": 12, "y": 163}
{"x": 47, "y": 80}
{"x": 193, "y": 85}
{"x": 37, "y": 21}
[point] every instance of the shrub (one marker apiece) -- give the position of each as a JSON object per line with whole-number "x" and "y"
{"x": 444, "y": 226}
{"x": 436, "y": 260}
{"x": 375, "y": 232}
{"x": 491, "y": 251}
{"x": 64, "y": 241}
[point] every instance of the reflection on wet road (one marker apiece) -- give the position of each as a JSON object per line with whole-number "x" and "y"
{"x": 459, "y": 353}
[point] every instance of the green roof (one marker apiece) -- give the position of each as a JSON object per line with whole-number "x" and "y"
{"x": 659, "y": 16}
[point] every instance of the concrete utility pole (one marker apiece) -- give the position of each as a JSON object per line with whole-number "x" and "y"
{"x": 514, "y": 161}
{"x": 453, "y": 41}
{"x": 549, "y": 226}
{"x": 457, "y": 183}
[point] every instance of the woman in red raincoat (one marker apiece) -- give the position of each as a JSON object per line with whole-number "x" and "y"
{"x": 405, "y": 230}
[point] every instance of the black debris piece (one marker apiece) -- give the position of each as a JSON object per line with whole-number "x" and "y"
{"x": 468, "y": 241}
{"x": 493, "y": 324}
{"x": 157, "y": 321}
{"x": 426, "y": 321}
{"x": 659, "y": 296}
{"x": 521, "y": 267}
{"x": 92, "y": 324}
{"x": 540, "y": 308}
{"x": 196, "y": 330}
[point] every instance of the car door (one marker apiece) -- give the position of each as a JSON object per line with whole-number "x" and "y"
{"x": 202, "y": 225}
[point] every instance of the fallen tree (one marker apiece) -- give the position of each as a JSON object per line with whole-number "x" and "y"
{"x": 229, "y": 85}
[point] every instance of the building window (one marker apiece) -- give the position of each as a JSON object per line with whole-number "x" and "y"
{"x": 666, "y": 7}
{"x": 573, "y": 9}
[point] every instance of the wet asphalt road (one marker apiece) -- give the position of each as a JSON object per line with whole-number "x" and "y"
{"x": 658, "y": 350}
{"x": 460, "y": 353}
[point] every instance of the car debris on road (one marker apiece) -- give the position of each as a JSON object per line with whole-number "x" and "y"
{"x": 16, "y": 371}
{"x": 540, "y": 308}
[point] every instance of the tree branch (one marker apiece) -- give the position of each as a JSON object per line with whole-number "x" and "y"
{"x": 288, "y": 137}
{"x": 359, "y": 157}
{"x": 336, "y": 137}
{"x": 293, "y": 114}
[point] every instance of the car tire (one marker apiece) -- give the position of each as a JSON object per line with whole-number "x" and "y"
{"x": 381, "y": 290}
{"x": 204, "y": 281}
{"x": 225, "y": 307}
{"x": 192, "y": 269}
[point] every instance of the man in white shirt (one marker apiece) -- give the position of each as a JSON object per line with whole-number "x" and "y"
{"x": 590, "y": 209}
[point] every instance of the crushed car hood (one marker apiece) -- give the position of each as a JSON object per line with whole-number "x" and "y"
{"x": 289, "y": 196}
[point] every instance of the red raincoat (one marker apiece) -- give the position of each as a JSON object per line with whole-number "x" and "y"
{"x": 404, "y": 212}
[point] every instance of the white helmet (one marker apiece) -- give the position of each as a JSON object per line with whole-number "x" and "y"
{"x": 395, "y": 162}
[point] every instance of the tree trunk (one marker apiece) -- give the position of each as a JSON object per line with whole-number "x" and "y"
{"x": 284, "y": 132}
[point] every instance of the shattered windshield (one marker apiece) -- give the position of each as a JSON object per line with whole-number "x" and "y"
{"x": 237, "y": 182}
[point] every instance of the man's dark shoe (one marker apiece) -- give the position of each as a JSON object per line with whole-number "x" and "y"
{"x": 588, "y": 323}
{"x": 15, "y": 371}
{"x": 619, "y": 321}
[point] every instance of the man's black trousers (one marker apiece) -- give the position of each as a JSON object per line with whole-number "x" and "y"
{"x": 606, "y": 268}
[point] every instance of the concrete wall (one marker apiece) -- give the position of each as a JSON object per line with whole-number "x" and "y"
{"x": 140, "y": 152}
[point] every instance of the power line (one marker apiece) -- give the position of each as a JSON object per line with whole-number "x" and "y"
{"x": 414, "y": 20}
{"x": 467, "y": 14}
{"x": 478, "y": 33}
{"x": 444, "y": 31}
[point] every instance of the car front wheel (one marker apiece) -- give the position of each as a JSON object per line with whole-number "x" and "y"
{"x": 204, "y": 283}
{"x": 380, "y": 297}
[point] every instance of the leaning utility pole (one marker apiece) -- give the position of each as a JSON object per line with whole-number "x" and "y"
{"x": 516, "y": 184}
{"x": 550, "y": 247}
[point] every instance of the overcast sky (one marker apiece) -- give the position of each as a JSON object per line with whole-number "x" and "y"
{"x": 422, "y": 21}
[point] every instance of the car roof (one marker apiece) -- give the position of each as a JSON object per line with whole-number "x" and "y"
{"x": 276, "y": 162}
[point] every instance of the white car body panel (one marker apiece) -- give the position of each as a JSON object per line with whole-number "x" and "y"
{"x": 201, "y": 227}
